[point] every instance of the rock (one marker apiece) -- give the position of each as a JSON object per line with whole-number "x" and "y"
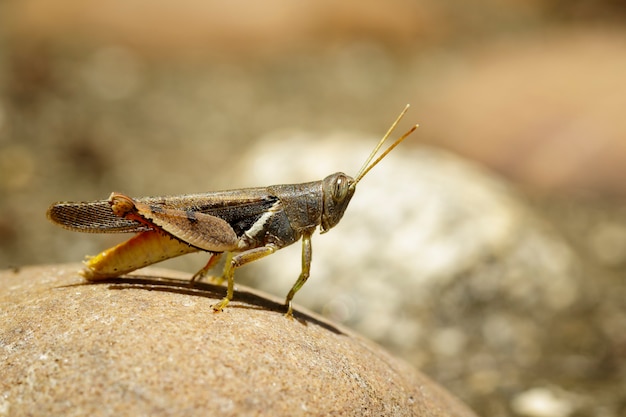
{"x": 149, "y": 344}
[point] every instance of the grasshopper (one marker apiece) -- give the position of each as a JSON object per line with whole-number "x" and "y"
{"x": 247, "y": 224}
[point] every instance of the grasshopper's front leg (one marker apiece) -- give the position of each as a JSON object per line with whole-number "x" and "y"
{"x": 307, "y": 252}
{"x": 235, "y": 262}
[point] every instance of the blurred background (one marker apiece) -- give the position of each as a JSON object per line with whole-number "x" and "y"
{"x": 158, "y": 98}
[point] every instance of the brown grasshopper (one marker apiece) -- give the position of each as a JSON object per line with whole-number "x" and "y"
{"x": 248, "y": 224}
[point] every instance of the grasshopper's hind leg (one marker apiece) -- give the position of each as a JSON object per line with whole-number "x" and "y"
{"x": 235, "y": 262}
{"x": 213, "y": 260}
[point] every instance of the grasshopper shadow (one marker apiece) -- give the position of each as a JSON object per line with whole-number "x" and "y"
{"x": 248, "y": 299}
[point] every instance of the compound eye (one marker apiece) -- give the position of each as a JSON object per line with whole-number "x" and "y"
{"x": 340, "y": 189}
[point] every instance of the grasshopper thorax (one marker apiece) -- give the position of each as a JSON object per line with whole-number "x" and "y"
{"x": 337, "y": 191}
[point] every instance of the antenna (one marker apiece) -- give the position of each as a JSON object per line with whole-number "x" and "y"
{"x": 367, "y": 166}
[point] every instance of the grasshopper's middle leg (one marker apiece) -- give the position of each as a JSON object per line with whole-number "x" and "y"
{"x": 307, "y": 253}
{"x": 235, "y": 262}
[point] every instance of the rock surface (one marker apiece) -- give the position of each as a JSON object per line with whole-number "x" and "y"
{"x": 150, "y": 345}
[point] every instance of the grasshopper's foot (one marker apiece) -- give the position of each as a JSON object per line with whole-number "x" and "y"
{"x": 215, "y": 280}
{"x": 197, "y": 277}
{"x": 289, "y": 313}
{"x": 201, "y": 274}
{"x": 220, "y": 306}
